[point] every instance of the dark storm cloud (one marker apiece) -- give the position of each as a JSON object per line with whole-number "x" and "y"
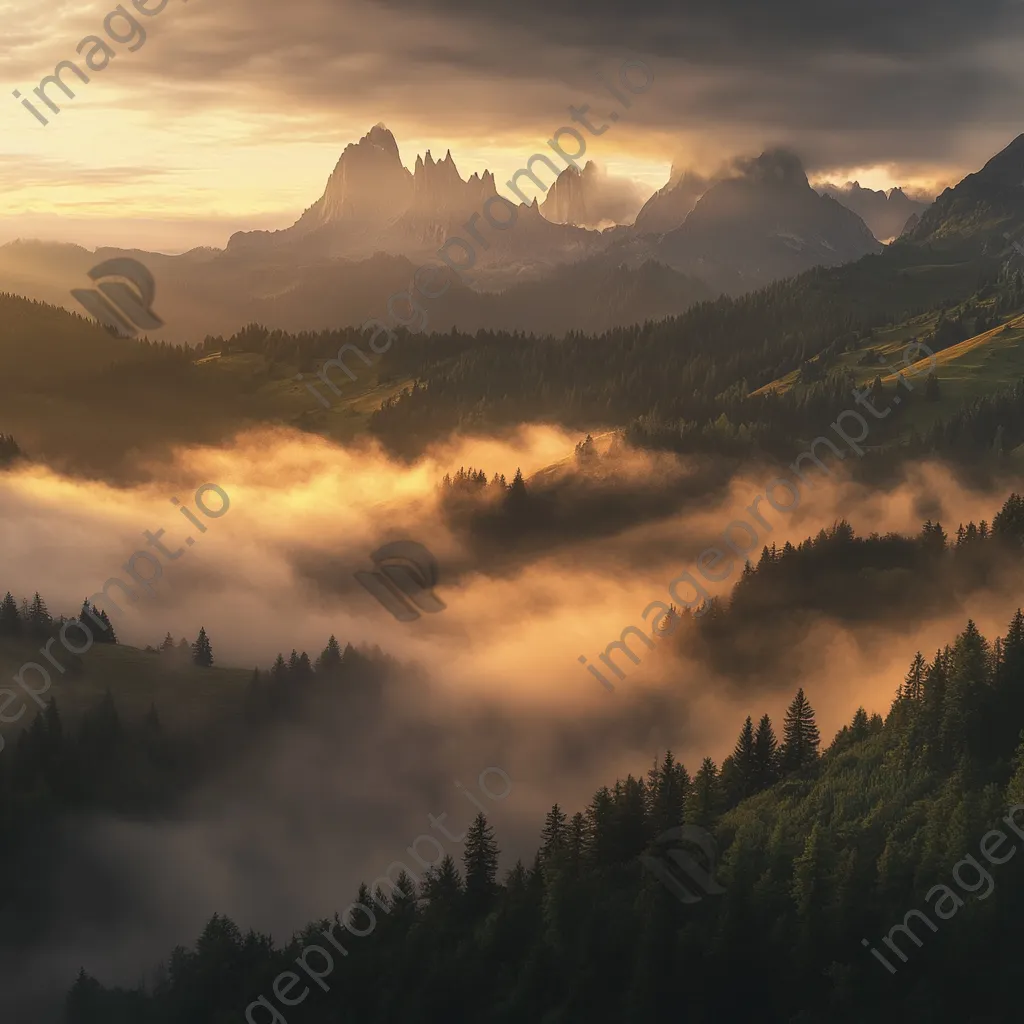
{"x": 843, "y": 84}
{"x": 710, "y": 31}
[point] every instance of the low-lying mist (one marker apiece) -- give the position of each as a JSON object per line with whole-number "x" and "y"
{"x": 286, "y": 834}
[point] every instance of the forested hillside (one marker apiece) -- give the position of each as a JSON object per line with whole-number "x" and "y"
{"x": 822, "y": 846}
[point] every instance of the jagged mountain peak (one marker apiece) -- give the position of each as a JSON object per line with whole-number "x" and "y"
{"x": 671, "y": 205}
{"x": 381, "y": 135}
{"x": 591, "y": 198}
{"x": 885, "y": 213}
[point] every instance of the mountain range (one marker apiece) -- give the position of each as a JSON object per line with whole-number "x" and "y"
{"x": 885, "y": 213}
{"x": 360, "y": 243}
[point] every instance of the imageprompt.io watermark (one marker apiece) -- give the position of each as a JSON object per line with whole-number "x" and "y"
{"x": 404, "y": 580}
{"x": 683, "y": 875}
{"x": 124, "y": 308}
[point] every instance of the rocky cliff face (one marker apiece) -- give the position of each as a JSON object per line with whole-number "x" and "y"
{"x": 566, "y": 201}
{"x": 369, "y": 182}
{"x": 591, "y": 198}
{"x": 670, "y": 206}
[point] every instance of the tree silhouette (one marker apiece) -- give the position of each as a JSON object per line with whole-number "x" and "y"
{"x": 800, "y": 735}
{"x": 480, "y": 859}
{"x": 202, "y": 652}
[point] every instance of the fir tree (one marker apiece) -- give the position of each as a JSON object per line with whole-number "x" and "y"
{"x": 202, "y": 652}
{"x": 578, "y": 843}
{"x": 10, "y": 620}
{"x": 279, "y": 670}
{"x": 481, "y": 862}
{"x": 766, "y": 754}
{"x": 859, "y": 729}
{"x": 39, "y": 617}
{"x": 667, "y": 788}
{"x": 800, "y": 735}
{"x": 555, "y": 833}
{"x": 913, "y": 685}
{"x": 329, "y": 661}
{"x": 443, "y": 885}
{"x": 705, "y": 800}
{"x": 98, "y": 623}
{"x": 744, "y": 763}
{"x": 303, "y": 669}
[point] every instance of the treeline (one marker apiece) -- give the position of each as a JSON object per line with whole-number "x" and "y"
{"x": 884, "y": 583}
{"x": 31, "y": 622}
{"x": 690, "y": 368}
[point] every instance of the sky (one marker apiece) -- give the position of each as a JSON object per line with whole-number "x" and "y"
{"x": 231, "y": 115}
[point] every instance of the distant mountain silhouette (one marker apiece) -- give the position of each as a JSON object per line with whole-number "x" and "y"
{"x": 763, "y": 224}
{"x": 886, "y": 215}
{"x": 212, "y": 292}
{"x": 670, "y": 206}
{"x": 376, "y": 221}
{"x": 591, "y": 198}
{"x": 372, "y": 204}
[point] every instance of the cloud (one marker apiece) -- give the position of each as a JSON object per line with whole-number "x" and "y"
{"x": 850, "y": 85}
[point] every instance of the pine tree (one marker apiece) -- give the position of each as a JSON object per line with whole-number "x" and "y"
{"x": 960, "y": 730}
{"x": 304, "y": 670}
{"x": 600, "y": 823}
{"x": 329, "y": 661}
{"x": 913, "y": 685}
{"x": 279, "y": 670}
{"x": 98, "y": 623}
{"x": 481, "y": 862}
{"x": 84, "y": 1001}
{"x": 667, "y": 788}
{"x": 744, "y": 764}
{"x": 443, "y": 885}
{"x": 800, "y": 735}
{"x": 578, "y": 844}
{"x": 106, "y": 635}
{"x": 39, "y": 617}
{"x": 705, "y": 800}
{"x": 202, "y": 652}
{"x": 517, "y": 498}
{"x": 168, "y": 643}
{"x": 10, "y": 620}
{"x": 554, "y": 833}
{"x": 766, "y": 754}
{"x": 859, "y": 729}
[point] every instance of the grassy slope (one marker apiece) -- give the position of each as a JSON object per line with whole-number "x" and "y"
{"x": 185, "y": 696}
{"x": 268, "y": 394}
{"x": 975, "y": 367}
{"x": 966, "y": 371}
